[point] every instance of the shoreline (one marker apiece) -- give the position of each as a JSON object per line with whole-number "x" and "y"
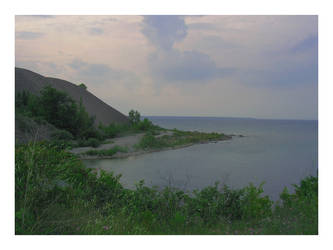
{"x": 121, "y": 155}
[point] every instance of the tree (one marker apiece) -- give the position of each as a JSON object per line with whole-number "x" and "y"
{"x": 58, "y": 109}
{"x": 82, "y": 85}
{"x": 134, "y": 117}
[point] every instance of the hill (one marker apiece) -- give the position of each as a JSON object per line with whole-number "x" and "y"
{"x": 33, "y": 82}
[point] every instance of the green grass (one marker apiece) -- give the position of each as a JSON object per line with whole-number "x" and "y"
{"x": 178, "y": 138}
{"x": 56, "y": 194}
{"x": 118, "y": 130}
{"x": 106, "y": 152}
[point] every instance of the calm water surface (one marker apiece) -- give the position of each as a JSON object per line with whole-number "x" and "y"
{"x": 277, "y": 152}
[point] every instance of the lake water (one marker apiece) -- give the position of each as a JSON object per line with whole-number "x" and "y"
{"x": 277, "y": 152}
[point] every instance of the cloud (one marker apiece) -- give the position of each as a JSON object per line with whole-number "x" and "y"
{"x": 269, "y": 63}
{"x": 28, "y": 35}
{"x": 309, "y": 43}
{"x": 37, "y": 16}
{"x": 176, "y": 65}
{"x": 102, "y": 73}
{"x": 96, "y": 31}
{"x": 93, "y": 70}
{"x": 293, "y": 66}
{"x": 164, "y": 31}
{"x": 201, "y": 26}
{"x": 46, "y": 68}
{"x": 281, "y": 77}
{"x": 173, "y": 65}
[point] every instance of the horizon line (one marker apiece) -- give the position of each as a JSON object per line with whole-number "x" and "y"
{"x": 229, "y": 117}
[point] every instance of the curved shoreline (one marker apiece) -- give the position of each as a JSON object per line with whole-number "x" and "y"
{"x": 121, "y": 155}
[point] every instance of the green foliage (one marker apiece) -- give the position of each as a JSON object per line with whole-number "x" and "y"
{"x": 178, "y": 138}
{"x": 62, "y": 135}
{"x": 134, "y": 117}
{"x": 82, "y": 85}
{"x": 58, "y": 109}
{"x": 115, "y": 130}
{"x": 27, "y": 104}
{"x": 91, "y": 142}
{"x": 298, "y": 213}
{"x": 25, "y": 124}
{"x": 145, "y": 125}
{"x": 253, "y": 205}
{"x": 149, "y": 141}
{"x": 106, "y": 152}
{"x": 56, "y": 194}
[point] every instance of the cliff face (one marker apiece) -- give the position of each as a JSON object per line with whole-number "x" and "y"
{"x": 33, "y": 82}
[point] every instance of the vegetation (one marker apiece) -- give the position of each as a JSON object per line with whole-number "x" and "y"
{"x": 76, "y": 127}
{"x": 106, "y": 152}
{"x": 56, "y": 194}
{"x": 58, "y": 109}
{"x": 93, "y": 142}
{"x": 178, "y": 138}
{"x": 82, "y": 85}
{"x": 116, "y": 130}
{"x": 134, "y": 117}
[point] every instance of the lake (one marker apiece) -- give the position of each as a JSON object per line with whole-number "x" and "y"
{"x": 277, "y": 152}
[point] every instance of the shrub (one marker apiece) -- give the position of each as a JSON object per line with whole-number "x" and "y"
{"x": 62, "y": 135}
{"x": 113, "y": 129}
{"x": 150, "y": 141}
{"x": 56, "y": 194}
{"x": 94, "y": 142}
{"x": 106, "y": 152}
{"x": 134, "y": 117}
{"x": 91, "y": 142}
{"x": 82, "y": 85}
{"x": 59, "y": 109}
{"x": 145, "y": 125}
{"x": 254, "y": 206}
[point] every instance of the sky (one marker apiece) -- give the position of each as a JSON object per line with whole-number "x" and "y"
{"x": 222, "y": 66}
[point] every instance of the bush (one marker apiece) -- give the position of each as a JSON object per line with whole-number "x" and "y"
{"x": 150, "y": 141}
{"x": 106, "y": 152}
{"x": 254, "y": 206}
{"x": 145, "y": 125}
{"x": 134, "y": 117}
{"x": 94, "y": 142}
{"x": 56, "y": 194}
{"x": 113, "y": 130}
{"x": 62, "y": 135}
{"x": 59, "y": 109}
{"x": 91, "y": 142}
{"x": 82, "y": 85}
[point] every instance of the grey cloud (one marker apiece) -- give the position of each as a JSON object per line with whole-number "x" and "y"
{"x": 101, "y": 73}
{"x": 201, "y": 26}
{"x": 309, "y": 43}
{"x": 36, "y": 16}
{"x": 96, "y": 31}
{"x": 185, "y": 66}
{"x": 28, "y": 35}
{"x": 93, "y": 70}
{"x": 216, "y": 43}
{"x": 164, "y": 31}
{"x": 282, "y": 76}
{"x": 38, "y": 66}
{"x": 173, "y": 65}
{"x": 298, "y": 65}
